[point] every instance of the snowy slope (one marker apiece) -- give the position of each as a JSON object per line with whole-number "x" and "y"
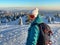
{"x": 17, "y": 34}
{"x": 56, "y": 32}
{"x": 13, "y": 35}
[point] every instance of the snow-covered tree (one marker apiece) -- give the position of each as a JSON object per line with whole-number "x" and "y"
{"x": 20, "y": 22}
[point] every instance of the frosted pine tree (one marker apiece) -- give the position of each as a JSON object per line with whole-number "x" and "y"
{"x": 20, "y": 22}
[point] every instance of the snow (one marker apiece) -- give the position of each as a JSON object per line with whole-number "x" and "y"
{"x": 17, "y": 34}
{"x": 56, "y": 32}
{"x": 57, "y": 22}
{"x": 13, "y": 34}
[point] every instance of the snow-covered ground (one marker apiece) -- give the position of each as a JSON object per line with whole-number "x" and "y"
{"x": 56, "y": 32}
{"x": 17, "y": 34}
{"x": 13, "y": 34}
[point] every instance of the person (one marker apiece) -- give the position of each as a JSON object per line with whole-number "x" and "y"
{"x": 33, "y": 31}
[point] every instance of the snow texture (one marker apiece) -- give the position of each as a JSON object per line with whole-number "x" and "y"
{"x": 17, "y": 34}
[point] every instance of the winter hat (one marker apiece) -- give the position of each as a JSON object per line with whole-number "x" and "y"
{"x": 34, "y": 12}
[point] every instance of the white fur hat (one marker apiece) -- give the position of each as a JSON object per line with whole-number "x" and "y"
{"x": 34, "y": 12}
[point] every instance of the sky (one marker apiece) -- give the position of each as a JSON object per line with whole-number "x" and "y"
{"x": 43, "y": 4}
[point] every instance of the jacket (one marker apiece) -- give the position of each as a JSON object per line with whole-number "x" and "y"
{"x": 33, "y": 31}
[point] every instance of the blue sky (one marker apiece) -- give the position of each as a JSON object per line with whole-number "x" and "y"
{"x": 30, "y": 3}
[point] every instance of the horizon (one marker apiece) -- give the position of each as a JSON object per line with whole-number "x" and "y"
{"x": 27, "y": 8}
{"x": 41, "y": 4}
